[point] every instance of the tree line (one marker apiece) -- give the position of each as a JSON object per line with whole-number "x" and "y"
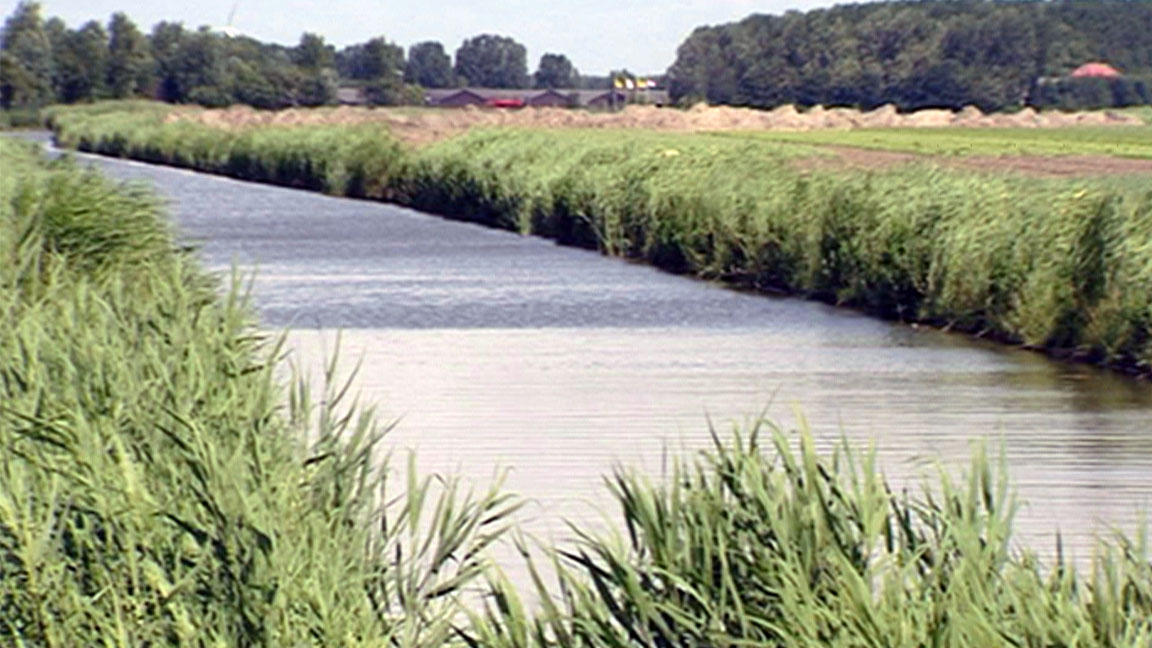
{"x": 929, "y": 53}
{"x": 45, "y": 61}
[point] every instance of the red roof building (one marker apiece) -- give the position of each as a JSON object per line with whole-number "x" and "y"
{"x": 1095, "y": 70}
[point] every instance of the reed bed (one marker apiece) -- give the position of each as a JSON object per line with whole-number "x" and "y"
{"x": 161, "y": 483}
{"x": 1059, "y": 265}
{"x": 763, "y": 541}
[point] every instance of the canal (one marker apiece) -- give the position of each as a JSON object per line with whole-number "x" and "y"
{"x": 495, "y": 351}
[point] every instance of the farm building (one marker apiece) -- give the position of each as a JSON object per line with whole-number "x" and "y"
{"x": 351, "y": 96}
{"x": 554, "y": 98}
{"x": 562, "y": 98}
{"x": 454, "y": 98}
{"x": 609, "y": 98}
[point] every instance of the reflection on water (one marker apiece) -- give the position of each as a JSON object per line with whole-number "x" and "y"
{"x": 561, "y": 406}
{"x": 501, "y": 351}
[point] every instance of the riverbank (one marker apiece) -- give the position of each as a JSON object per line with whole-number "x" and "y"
{"x": 160, "y": 484}
{"x": 158, "y": 488}
{"x": 1057, "y": 265}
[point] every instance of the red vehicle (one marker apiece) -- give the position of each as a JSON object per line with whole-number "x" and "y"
{"x": 505, "y": 103}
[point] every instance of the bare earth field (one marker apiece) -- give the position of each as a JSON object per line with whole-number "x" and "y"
{"x": 1047, "y": 166}
{"x": 420, "y": 126}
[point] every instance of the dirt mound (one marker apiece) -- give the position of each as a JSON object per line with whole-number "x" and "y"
{"x": 420, "y": 125}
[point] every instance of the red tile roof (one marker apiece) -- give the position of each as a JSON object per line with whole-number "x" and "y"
{"x": 1095, "y": 70}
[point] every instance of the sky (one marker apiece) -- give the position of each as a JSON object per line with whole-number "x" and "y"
{"x": 596, "y": 35}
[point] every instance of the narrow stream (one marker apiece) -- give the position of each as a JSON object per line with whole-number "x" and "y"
{"x": 499, "y": 351}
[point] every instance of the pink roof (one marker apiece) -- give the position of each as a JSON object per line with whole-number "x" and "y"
{"x": 1096, "y": 70}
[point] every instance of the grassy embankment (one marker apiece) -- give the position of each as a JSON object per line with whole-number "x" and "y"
{"x": 1059, "y": 265}
{"x": 158, "y": 486}
{"x": 19, "y": 118}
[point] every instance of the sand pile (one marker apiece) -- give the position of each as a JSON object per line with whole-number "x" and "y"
{"x": 429, "y": 124}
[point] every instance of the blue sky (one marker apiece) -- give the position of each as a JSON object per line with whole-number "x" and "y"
{"x": 597, "y": 35}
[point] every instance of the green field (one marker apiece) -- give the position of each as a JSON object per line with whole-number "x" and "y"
{"x": 1143, "y": 112}
{"x": 1119, "y": 141}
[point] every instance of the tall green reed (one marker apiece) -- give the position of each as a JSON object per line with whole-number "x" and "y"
{"x": 162, "y": 482}
{"x": 763, "y": 541}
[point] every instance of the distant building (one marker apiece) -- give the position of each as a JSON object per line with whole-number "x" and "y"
{"x": 351, "y": 96}
{"x": 560, "y": 98}
{"x": 453, "y": 97}
{"x": 553, "y": 98}
{"x": 600, "y": 99}
{"x": 1095, "y": 70}
{"x": 610, "y": 98}
{"x": 1090, "y": 86}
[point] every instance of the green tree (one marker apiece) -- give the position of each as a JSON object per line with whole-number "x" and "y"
{"x": 167, "y": 40}
{"x": 130, "y": 64}
{"x": 257, "y": 74}
{"x": 918, "y": 54}
{"x": 429, "y": 66}
{"x": 702, "y": 69}
{"x": 313, "y": 53}
{"x": 202, "y": 70}
{"x": 57, "y": 33}
{"x": 192, "y": 65}
{"x": 493, "y": 61}
{"x": 317, "y": 77}
{"x": 556, "y": 71}
{"x": 373, "y": 60}
{"x": 384, "y": 67}
{"x": 316, "y": 87}
{"x": 25, "y": 59}
{"x": 81, "y": 62}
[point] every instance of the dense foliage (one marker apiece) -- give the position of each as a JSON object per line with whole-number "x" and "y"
{"x": 44, "y": 62}
{"x": 25, "y": 59}
{"x": 917, "y": 54}
{"x": 429, "y": 66}
{"x": 556, "y": 71}
{"x": 492, "y": 61}
{"x": 378, "y": 67}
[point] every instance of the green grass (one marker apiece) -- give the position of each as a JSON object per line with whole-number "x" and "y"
{"x": 1119, "y": 141}
{"x": 136, "y": 107}
{"x": 1143, "y": 112}
{"x": 19, "y": 118}
{"x": 1061, "y": 265}
{"x": 162, "y": 483}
